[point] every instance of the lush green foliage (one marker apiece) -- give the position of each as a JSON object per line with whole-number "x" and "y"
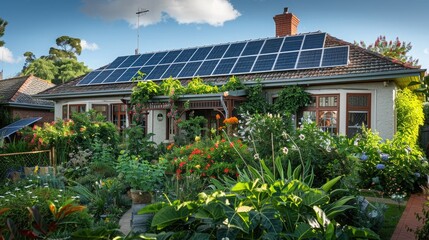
{"x": 255, "y": 102}
{"x": 139, "y": 173}
{"x": 3, "y": 25}
{"x": 394, "y": 49}
{"x": 410, "y": 116}
{"x": 197, "y": 86}
{"x": 19, "y": 197}
{"x": 291, "y": 99}
{"x": 255, "y": 210}
{"x": 206, "y": 158}
{"x": 391, "y": 166}
{"x": 60, "y": 65}
{"x": 233, "y": 84}
{"x": 421, "y": 87}
{"x": 190, "y": 128}
{"x": 143, "y": 91}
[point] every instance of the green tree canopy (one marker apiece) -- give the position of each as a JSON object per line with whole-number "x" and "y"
{"x": 69, "y": 47}
{"x": 3, "y": 24}
{"x": 42, "y": 68}
{"x": 60, "y": 65}
{"x": 394, "y": 49}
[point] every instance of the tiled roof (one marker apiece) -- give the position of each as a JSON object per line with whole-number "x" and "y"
{"x": 361, "y": 62}
{"x": 21, "y": 90}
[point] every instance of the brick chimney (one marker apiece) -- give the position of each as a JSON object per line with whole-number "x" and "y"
{"x": 286, "y": 24}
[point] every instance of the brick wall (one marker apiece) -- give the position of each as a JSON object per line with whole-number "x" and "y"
{"x": 47, "y": 115}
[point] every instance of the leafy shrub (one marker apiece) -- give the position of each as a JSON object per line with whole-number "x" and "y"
{"x": 190, "y": 128}
{"x": 197, "y": 86}
{"x": 233, "y": 84}
{"x": 392, "y": 166}
{"x": 256, "y": 210}
{"x": 206, "y": 158}
{"x": 410, "y": 116}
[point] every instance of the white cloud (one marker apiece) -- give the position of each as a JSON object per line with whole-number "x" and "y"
{"x": 212, "y": 12}
{"x": 6, "y": 55}
{"x": 426, "y": 51}
{"x": 88, "y": 46}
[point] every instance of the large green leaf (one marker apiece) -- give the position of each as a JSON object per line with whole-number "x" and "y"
{"x": 237, "y": 220}
{"x": 338, "y": 207}
{"x": 152, "y": 208}
{"x": 313, "y": 197}
{"x": 169, "y": 215}
{"x": 321, "y": 216}
{"x": 304, "y": 231}
{"x": 327, "y": 186}
{"x": 212, "y": 210}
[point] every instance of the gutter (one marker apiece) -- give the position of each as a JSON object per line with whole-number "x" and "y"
{"x": 85, "y": 94}
{"x": 28, "y": 105}
{"x": 340, "y": 78}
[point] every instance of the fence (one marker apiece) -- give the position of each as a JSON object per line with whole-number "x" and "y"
{"x": 24, "y": 163}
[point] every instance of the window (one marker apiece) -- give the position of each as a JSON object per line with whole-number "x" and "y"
{"x": 358, "y": 112}
{"x": 119, "y": 115}
{"x": 65, "y": 112}
{"x": 78, "y": 108}
{"x": 323, "y": 110}
{"x": 103, "y": 109}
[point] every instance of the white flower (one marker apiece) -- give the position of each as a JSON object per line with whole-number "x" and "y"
{"x": 56, "y": 200}
{"x": 256, "y": 156}
{"x": 1, "y": 196}
{"x": 34, "y": 197}
{"x": 285, "y": 150}
{"x": 301, "y": 136}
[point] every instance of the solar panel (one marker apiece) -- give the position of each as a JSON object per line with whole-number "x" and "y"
{"x": 173, "y": 70}
{"x": 262, "y": 55}
{"x": 157, "y": 72}
{"x": 264, "y": 63}
{"x": 156, "y": 58}
{"x": 225, "y": 66}
{"x": 128, "y": 75}
{"x": 207, "y": 68}
{"x": 16, "y": 126}
{"x": 101, "y": 77}
{"x": 234, "y": 50}
{"x": 130, "y": 60}
{"x": 217, "y": 52}
{"x": 286, "y": 61}
{"x": 185, "y": 55}
{"x": 201, "y": 53}
{"x": 292, "y": 43}
{"x": 117, "y": 62}
{"x": 146, "y": 70}
{"x": 88, "y": 78}
{"x": 115, "y": 75}
{"x": 244, "y": 64}
{"x": 190, "y": 69}
{"x": 309, "y": 59}
{"x": 272, "y": 45}
{"x": 312, "y": 41}
{"x": 335, "y": 56}
{"x": 142, "y": 60}
{"x": 252, "y": 48}
{"x": 169, "y": 58}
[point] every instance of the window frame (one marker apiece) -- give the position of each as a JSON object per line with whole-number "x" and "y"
{"x": 318, "y": 109}
{"x": 350, "y": 108}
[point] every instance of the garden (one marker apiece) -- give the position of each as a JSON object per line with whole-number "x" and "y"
{"x": 256, "y": 177}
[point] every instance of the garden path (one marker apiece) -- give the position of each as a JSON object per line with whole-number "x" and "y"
{"x": 125, "y": 222}
{"x": 408, "y": 218}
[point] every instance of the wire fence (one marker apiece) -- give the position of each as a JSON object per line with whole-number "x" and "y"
{"x": 19, "y": 165}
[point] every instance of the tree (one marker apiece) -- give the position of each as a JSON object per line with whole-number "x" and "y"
{"x": 69, "y": 47}
{"x": 60, "y": 65}
{"x": 394, "y": 49}
{"x": 68, "y": 69}
{"x": 3, "y": 25}
{"x": 42, "y": 68}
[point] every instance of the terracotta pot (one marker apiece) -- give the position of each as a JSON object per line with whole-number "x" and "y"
{"x": 140, "y": 197}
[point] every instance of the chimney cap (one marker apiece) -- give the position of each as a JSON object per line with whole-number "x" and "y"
{"x": 285, "y": 10}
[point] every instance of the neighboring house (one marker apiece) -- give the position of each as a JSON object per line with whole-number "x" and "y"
{"x": 17, "y": 99}
{"x": 350, "y": 85}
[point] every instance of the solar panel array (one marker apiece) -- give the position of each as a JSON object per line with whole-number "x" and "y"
{"x": 273, "y": 54}
{"x": 16, "y": 126}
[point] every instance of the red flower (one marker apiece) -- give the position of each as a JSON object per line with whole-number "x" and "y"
{"x": 181, "y": 164}
{"x": 208, "y": 156}
{"x": 226, "y": 170}
{"x": 231, "y": 144}
{"x": 223, "y": 140}
{"x": 216, "y": 145}
{"x": 178, "y": 171}
{"x": 212, "y": 149}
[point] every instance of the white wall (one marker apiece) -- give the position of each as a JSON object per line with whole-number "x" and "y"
{"x": 383, "y": 115}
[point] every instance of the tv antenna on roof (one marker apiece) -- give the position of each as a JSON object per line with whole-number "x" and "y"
{"x": 139, "y": 12}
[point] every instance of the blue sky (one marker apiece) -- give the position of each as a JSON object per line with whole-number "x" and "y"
{"x": 108, "y": 27}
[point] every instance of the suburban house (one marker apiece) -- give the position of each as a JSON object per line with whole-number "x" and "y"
{"x": 17, "y": 100}
{"x": 350, "y": 86}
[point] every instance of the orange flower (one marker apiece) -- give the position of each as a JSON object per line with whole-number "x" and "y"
{"x": 217, "y": 116}
{"x": 231, "y": 120}
{"x": 169, "y": 147}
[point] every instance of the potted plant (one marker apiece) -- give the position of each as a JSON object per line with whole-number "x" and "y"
{"x": 142, "y": 176}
